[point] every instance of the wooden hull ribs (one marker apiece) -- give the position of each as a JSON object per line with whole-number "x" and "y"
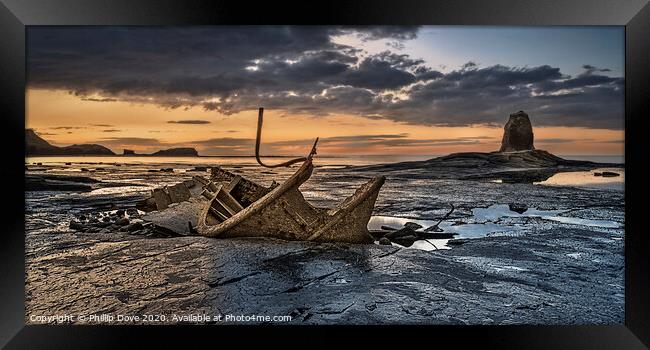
{"x": 238, "y": 207}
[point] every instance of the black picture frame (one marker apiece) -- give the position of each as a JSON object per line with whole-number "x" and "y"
{"x": 633, "y": 14}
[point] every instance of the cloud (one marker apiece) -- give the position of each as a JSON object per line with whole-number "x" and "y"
{"x": 302, "y": 69}
{"x": 559, "y": 140}
{"x": 225, "y": 142}
{"x": 377, "y": 141}
{"x": 610, "y": 141}
{"x": 487, "y": 95}
{"x": 45, "y": 133}
{"x": 591, "y": 68}
{"x": 228, "y": 146}
{"x": 67, "y": 127}
{"x": 381, "y": 72}
{"x": 189, "y": 121}
{"x": 398, "y": 33}
{"x": 98, "y": 99}
{"x": 246, "y": 146}
{"x": 111, "y": 130}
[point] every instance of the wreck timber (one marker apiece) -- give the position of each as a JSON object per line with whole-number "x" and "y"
{"x": 240, "y": 208}
{"x": 237, "y": 207}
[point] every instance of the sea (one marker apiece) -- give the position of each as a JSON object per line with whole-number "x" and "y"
{"x": 131, "y": 178}
{"x": 230, "y": 160}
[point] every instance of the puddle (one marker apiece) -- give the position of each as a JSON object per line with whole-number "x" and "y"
{"x": 469, "y": 230}
{"x": 376, "y": 222}
{"x": 477, "y": 230}
{"x": 498, "y": 211}
{"x": 484, "y": 221}
{"x": 430, "y": 244}
{"x": 586, "y": 179}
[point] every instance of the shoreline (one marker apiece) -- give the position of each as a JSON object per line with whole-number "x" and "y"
{"x": 424, "y": 157}
{"x": 542, "y": 273}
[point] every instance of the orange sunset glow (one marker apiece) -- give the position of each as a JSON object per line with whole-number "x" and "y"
{"x": 65, "y": 119}
{"x": 363, "y": 91}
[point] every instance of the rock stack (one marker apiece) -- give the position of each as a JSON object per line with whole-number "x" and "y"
{"x": 517, "y": 134}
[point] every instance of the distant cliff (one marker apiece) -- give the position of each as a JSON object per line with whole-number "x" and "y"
{"x": 176, "y": 152}
{"x": 36, "y": 146}
{"x": 172, "y": 152}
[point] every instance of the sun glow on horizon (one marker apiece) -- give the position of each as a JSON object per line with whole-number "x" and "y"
{"x": 63, "y": 118}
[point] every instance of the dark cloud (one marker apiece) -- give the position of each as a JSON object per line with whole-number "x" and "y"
{"x": 102, "y": 125}
{"x": 428, "y": 75}
{"x": 378, "y": 73}
{"x": 591, "y": 68}
{"x": 382, "y": 32}
{"x": 189, "y": 121}
{"x": 302, "y": 69}
{"x": 45, "y": 133}
{"x": 111, "y": 130}
{"x": 584, "y": 80}
{"x": 471, "y": 77}
{"x": 67, "y": 127}
{"x": 474, "y": 95}
{"x": 610, "y": 141}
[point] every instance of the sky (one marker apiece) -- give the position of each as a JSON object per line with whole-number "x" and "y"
{"x": 363, "y": 90}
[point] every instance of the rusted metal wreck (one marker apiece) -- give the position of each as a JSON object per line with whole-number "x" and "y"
{"x": 238, "y": 207}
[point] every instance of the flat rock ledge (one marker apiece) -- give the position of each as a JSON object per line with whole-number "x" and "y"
{"x": 554, "y": 276}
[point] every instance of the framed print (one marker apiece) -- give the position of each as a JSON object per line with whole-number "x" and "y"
{"x": 449, "y": 168}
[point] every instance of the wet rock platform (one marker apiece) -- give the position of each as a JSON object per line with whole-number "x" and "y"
{"x": 546, "y": 272}
{"x": 555, "y": 276}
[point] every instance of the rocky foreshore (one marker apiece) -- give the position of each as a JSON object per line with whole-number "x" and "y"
{"x": 517, "y": 161}
{"x": 535, "y": 270}
{"x": 516, "y": 166}
{"x": 554, "y": 276}
{"x": 452, "y": 247}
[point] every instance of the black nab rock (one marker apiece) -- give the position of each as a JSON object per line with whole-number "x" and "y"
{"x": 517, "y": 134}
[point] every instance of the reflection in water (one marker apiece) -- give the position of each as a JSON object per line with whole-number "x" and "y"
{"x": 485, "y": 221}
{"x": 470, "y": 230}
{"x": 322, "y": 160}
{"x": 587, "y": 179}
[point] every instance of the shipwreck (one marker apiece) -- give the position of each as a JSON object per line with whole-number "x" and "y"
{"x": 230, "y": 205}
{"x": 238, "y": 207}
